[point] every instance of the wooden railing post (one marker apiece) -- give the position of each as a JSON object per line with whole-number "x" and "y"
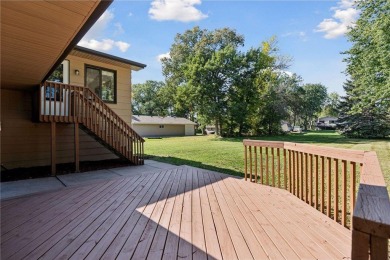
{"x": 53, "y": 148}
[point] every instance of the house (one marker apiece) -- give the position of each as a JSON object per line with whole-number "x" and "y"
{"x": 156, "y": 126}
{"x": 51, "y": 89}
{"x": 327, "y": 122}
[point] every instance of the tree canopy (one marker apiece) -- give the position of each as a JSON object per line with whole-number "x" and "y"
{"x": 366, "y": 107}
{"x": 211, "y": 79}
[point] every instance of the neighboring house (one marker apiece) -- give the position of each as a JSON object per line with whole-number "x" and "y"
{"x": 156, "y": 126}
{"x": 327, "y": 122}
{"x": 89, "y": 90}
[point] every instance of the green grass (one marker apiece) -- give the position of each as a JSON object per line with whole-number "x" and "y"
{"x": 227, "y": 154}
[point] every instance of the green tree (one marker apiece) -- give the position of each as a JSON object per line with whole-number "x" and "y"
{"x": 331, "y": 107}
{"x": 373, "y": 122}
{"x": 148, "y": 99}
{"x": 368, "y": 65}
{"x": 202, "y": 61}
{"x": 294, "y": 96}
{"x": 314, "y": 98}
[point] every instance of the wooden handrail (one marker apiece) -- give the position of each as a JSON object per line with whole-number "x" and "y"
{"x": 320, "y": 176}
{"x": 371, "y": 216}
{"x": 76, "y": 104}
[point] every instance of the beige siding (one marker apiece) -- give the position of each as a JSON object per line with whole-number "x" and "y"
{"x": 155, "y": 130}
{"x": 25, "y": 143}
{"x": 190, "y": 130}
{"x": 123, "y": 105}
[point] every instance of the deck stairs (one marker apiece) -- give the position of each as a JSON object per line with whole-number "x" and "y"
{"x": 63, "y": 103}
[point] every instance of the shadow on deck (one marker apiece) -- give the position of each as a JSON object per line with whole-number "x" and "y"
{"x": 178, "y": 213}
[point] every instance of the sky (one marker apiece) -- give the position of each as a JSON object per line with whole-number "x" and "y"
{"x": 311, "y": 32}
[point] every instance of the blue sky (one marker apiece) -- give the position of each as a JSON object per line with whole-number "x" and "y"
{"x": 310, "y": 32}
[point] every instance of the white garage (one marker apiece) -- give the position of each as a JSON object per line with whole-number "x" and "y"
{"x": 156, "y": 126}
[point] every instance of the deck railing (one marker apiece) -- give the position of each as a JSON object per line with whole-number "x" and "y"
{"x": 65, "y": 103}
{"x": 326, "y": 178}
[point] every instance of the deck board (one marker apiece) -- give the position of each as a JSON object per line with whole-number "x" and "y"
{"x": 177, "y": 213}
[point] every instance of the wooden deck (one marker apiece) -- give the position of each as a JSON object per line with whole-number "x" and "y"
{"x": 180, "y": 213}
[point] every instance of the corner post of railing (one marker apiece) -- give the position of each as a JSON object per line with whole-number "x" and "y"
{"x": 371, "y": 216}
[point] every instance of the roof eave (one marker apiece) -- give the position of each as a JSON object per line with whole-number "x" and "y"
{"x": 99, "y": 10}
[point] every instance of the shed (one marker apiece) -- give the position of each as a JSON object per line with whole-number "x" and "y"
{"x": 156, "y": 126}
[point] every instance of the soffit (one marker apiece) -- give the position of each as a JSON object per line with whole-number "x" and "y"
{"x": 34, "y": 36}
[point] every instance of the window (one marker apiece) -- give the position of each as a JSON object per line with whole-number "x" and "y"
{"x": 60, "y": 75}
{"x": 102, "y": 82}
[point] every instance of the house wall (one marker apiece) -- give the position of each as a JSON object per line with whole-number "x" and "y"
{"x": 123, "y": 77}
{"x": 155, "y": 130}
{"x": 25, "y": 143}
{"x": 189, "y": 130}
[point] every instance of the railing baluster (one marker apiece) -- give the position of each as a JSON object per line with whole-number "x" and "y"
{"x": 285, "y": 168}
{"x": 353, "y": 187}
{"x": 301, "y": 177}
{"x": 306, "y": 178}
{"x": 290, "y": 171}
{"x": 316, "y": 182}
{"x": 278, "y": 155}
{"x": 267, "y": 165}
{"x": 294, "y": 166}
{"x": 329, "y": 187}
{"x": 250, "y": 163}
{"x": 261, "y": 166}
{"x": 273, "y": 166}
{"x": 246, "y": 161}
{"x": 311, "y": 180}
{"x": 344, "y": 190}
{"x": 255, "y": 164}
{"x": 323, "y": 184}
{"x": 299, "y": 162}
{"x": 336, "y": 189}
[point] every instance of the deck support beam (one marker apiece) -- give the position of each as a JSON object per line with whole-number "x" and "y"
{"x": 76, "y": 147}
{"x": 53, "y": 148}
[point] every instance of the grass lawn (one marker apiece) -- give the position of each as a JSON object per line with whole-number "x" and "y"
{"x": 227, "y": 154}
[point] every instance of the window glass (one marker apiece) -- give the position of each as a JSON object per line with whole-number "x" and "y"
{"x": 108, "y": 86}
{"x": 102, "y": 82}
{"x": 93, "y": 80}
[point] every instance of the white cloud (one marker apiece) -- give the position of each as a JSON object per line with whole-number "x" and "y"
{"x": 344, "y": 17}
{"x": 103, "y": 45}
{"x": 176, "y": 10}
{"x": 130, "y": 14}
{"x": 123, "y": 46}
{"x": 95, "y": 38}
{"x": 163, "y": 55}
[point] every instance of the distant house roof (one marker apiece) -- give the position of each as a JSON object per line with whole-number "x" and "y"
{"x": 158, "y": 120}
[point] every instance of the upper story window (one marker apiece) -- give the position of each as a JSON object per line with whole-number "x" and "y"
{"x": 102, "y": 81}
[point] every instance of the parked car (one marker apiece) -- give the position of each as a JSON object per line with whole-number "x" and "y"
{"x": 297, "y": 129}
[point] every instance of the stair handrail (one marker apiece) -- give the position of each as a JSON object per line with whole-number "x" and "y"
{"x": 64, "y": 103}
